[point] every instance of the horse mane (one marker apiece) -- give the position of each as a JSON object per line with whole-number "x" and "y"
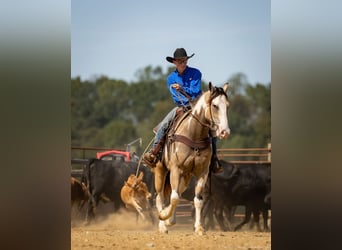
{"x": 218, "y": 91}
{"x": 214, "y": 92}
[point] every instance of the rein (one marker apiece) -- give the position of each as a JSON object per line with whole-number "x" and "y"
{"x": 181, "y": 91}
{"x": 200, "y": 122}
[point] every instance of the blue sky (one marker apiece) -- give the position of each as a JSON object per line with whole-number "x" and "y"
{"x": 117, "y": 38}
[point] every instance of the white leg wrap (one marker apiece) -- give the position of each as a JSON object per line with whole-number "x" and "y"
{"x": 174, "y": 197}
{"x": 162, "y": 227}
{"x": 198, "y": 207}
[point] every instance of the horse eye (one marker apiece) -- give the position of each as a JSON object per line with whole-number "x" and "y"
{"x": 215, "y": 106}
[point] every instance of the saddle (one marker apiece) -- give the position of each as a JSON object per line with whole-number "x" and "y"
{"x": 180, "y": 112}
{"x": 171, "y": 136}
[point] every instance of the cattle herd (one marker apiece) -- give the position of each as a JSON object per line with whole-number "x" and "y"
{"x": 128, "y": 185}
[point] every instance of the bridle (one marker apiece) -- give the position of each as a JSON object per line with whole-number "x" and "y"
{"x": 212, "y": 125}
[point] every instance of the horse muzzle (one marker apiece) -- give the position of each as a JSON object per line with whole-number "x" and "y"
{"x": 224, "y": 134}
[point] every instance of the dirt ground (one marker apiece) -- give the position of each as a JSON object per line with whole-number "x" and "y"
{"x": 122, "y": 231}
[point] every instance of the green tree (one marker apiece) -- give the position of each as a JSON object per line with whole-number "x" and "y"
{"x": 260, "y": 105}
{"x": 112, "y": 101}
{"x": 111, "y": 113}
{"x": 83, "y": 96}
{"x": 115, "y": 134}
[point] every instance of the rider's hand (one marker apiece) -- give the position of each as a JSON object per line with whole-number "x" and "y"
{"x": 176, "y": 86}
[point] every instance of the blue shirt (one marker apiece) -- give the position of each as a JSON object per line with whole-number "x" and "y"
{"x": 190, "y": 82}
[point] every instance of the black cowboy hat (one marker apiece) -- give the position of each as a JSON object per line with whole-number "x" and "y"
{"x": 179, "y": 53}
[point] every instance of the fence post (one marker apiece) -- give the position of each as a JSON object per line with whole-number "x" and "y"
{"x": 269, "y": 152}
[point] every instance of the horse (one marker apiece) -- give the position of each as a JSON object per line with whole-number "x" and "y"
{"x": 187, "y": 152}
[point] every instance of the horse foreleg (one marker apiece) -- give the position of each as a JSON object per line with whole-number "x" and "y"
{"x": 198, "y": 202}
{"x": 182, "y": 186}
{"x": 167, "y": 212}
{"x": 159, "y": 205}
{"x": 159, "y": 181}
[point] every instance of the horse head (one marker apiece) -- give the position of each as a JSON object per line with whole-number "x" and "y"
{"x": 217, "y": 101}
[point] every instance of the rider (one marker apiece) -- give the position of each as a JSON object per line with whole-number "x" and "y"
{"x": 183, "y": 79}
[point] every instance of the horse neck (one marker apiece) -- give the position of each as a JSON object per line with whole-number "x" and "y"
{"x": 196, "y": 126}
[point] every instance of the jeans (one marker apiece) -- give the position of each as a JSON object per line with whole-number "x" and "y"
{"x": 163, "y": 125}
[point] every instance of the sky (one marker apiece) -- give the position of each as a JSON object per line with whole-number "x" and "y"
{"x": 118, "y": 38}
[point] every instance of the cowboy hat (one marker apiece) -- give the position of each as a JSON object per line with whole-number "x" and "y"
{"x": 179, "y": 53}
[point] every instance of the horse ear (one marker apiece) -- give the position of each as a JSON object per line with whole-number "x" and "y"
{"x": 225, "y": 86}
{"x": 210, "y": 86}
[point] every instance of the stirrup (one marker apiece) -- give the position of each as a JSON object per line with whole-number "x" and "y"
{"x": 151, "y": 164}
{"x": 148, "y": 163}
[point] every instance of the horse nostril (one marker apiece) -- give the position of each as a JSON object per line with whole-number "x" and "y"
{"x": 224, "y": 133}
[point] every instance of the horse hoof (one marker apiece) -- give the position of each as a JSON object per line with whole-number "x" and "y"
{"x": 163, "y": 230}
{"x": 169, "y": 222}
{"x": 200, "y": 231}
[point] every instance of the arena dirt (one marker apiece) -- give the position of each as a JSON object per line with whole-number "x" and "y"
{"x": 122, "y": 231}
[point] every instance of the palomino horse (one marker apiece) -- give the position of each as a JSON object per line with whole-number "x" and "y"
{"x": 188, "y": 152}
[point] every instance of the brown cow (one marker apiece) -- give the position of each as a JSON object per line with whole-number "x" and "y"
{"x": 79, "y": 194}
{"x": 136, "y": 196}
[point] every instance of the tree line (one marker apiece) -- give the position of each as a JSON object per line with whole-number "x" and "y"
{"x": 110, "y": 113}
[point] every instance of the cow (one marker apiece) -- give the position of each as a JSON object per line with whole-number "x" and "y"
{"x": 106, "y": 178}
{"x": 135, "y": 195}
{"x": 246, "y": 185}
{"x": 79, "y": 194}
{"x": 208, "y": 218}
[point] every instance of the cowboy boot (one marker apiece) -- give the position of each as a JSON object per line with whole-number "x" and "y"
{"x": 150, "y": 158}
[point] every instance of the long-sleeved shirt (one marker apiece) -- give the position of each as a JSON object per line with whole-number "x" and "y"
{"x": 190, "y": 82}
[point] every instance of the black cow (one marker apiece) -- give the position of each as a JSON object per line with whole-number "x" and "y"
{"x": 106, "y": 178}
{"x": 248, "y": 185}
{"x": 208, "y": 218}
